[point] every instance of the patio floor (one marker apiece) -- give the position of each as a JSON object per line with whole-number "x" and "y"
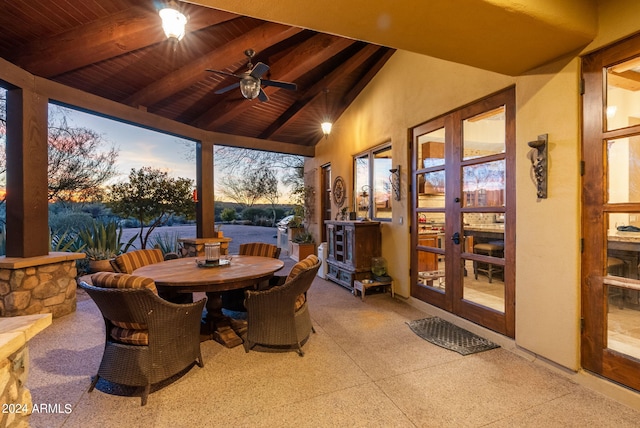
{"x": 364, "y": 367}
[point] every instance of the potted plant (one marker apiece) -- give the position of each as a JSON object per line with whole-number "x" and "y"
{"x": 295, "y": 227}
{"x": 302, "y": 246}
{"x": 103, "y": 242}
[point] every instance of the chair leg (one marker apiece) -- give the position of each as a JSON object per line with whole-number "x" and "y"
{"x": 313, "y": 330}
{"x": 300, "y": 351}
{"x": 145, "y": 394}
{"x": 93, "y": 383}
{"x": 199, "y": 360}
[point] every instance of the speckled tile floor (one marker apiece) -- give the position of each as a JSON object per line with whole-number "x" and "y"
{"x": 364, "y": 367}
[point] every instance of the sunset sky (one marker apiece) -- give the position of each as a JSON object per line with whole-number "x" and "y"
{"x": 140, "y": 147}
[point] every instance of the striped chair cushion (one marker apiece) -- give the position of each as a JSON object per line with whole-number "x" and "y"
{"x": 302, "y": 265}
{"x": 128, "y": 262}
{"x": 130, "y": 335}
{"x": 123, "y": 280}
{"x": 258, "y": 249}
{"x": 296, "y": 270}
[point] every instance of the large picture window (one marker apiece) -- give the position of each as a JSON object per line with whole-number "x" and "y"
{"x": 372, "y": 184}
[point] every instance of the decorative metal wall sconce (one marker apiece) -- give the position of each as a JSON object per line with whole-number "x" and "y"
{"x": 538, "y": 155}
{"x": 394, "y": 178}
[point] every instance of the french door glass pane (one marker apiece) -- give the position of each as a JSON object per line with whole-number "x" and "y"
{"x": 623, "y": 244}
{"x": 483, "y": 228}
{"x": 484, "y": 184}
{"x": 623, "y": 98}
{"x": 483, "y": 284}
{"x": 431, "y": 269}
{"x": 623, "y": 319}
{"x": 431, "y": 183}
{"x": 430, "y": 222}
{"x": 623, "y": 158}
{"x": 431, "y": 149}
{"x": 484, "y": 134}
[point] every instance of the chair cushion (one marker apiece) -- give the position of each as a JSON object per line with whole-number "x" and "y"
{"x": 301, "y": 266}
{"x": 296, "y": 270}
{"x": 128, "y": 262}
{"x": 132, "y": 336}
{"x": 258, "y": 249}
{"x": 300, "y": 301}
{"x": 123, "y": 280}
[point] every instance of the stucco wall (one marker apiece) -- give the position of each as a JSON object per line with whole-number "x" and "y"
{"x": 411, "y": 89}
{"x": 548, "y": 230}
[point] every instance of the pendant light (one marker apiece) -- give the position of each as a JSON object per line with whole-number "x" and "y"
{"x": 326, "y": 124}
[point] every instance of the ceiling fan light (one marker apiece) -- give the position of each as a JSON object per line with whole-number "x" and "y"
{"x": 250, "y": 87}
{"x": 326, "y": 128}
{"x": 173, "y": 22}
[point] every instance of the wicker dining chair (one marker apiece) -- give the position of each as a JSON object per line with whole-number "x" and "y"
{"x": 279, "y": 317}
{"x": 147, "y": 339}
{"x": 259, "y": 249}
{"x": 233, "y": 300}
{"x": 128, "y": 262}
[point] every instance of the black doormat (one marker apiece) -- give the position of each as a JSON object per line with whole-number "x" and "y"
{"x": 450, "y": 336}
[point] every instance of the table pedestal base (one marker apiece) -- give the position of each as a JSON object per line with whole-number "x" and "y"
{"x": 219, "y": 327}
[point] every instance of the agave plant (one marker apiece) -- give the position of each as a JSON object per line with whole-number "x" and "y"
{"x": 103, "y": 240}
{"x": 166, "y": 242}
{"x": 66, "y": 241}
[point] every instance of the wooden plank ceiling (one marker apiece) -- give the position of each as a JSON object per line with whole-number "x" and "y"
{"x": 116, "y": 49}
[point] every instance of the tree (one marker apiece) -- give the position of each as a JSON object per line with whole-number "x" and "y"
{"x": 152, "y": 197}
{"x": 78, "y": 164}
{"x": 266, "y": 185}
{"x": 253, "y": 186}
{"x": 252, "y": 175}
{"x": 77, "y": 168}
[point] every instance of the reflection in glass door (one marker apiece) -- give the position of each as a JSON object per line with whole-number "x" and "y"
{"x": 464, "y": 238}
{"x": 611, "y": 213}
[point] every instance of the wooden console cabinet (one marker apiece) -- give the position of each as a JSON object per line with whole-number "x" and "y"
{"x": 352, "y": 245}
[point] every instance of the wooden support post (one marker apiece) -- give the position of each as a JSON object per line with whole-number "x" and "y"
{"x": 27, "y": 162}
{"x": 205, "y": 214}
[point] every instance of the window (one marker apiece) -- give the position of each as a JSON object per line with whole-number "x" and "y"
{"x": 372, "y": 183}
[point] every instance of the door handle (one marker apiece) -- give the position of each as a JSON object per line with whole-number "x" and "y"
{"x": 456, "y": 238}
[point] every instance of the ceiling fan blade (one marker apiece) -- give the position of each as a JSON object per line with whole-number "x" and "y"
{"x": 262, "y": 96}
{"x": 278, "y": 84}
{"x": 259, "y": 70}
{"x": 227, "y": 89}
{"x": 224, "y": 72}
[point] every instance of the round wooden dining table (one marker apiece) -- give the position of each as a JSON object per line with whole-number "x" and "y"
{"x": 185, "y": 275}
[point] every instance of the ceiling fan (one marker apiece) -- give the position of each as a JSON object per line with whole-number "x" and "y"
{"x": 250, "y": 81}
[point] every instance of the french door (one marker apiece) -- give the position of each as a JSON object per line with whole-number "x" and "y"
{"x": 611, "y": 213}
{"x": 463, "y": 229}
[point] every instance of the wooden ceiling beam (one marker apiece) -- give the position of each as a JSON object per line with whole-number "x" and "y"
{"x": 317, "y": 90}
{"x": 109, "y": 37}
{"x": 300, "y": 60}
{"x": 18, "y": 78}
{"x": 259, "y": 38}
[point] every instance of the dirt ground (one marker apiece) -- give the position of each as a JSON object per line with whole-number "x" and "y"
{"x": 239, "y": 234}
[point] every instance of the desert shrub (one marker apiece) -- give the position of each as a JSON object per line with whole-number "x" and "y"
{"x": 228, "y": 214}
{"x": 69, "y": 220}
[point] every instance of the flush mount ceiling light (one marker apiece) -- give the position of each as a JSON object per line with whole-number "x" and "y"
{"x": 173, "y": 21}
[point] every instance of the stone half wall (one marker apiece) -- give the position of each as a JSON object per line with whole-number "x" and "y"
{"x": 15, "y": 333}
{"x": 38, "y": 285}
